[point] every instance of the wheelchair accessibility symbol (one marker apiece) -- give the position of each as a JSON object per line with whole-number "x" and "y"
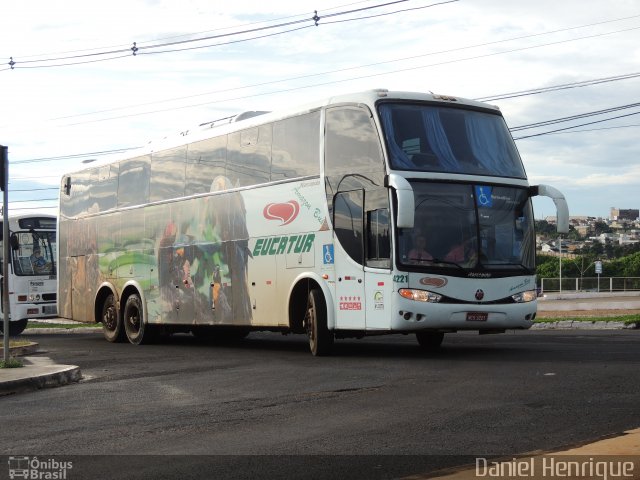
{"x": 483, "y": 196}
{"x": 327, "y": 254}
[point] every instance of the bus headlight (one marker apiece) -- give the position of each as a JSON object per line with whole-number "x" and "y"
{"x": 419, "y": 295}
{"x": 524, "y": 297}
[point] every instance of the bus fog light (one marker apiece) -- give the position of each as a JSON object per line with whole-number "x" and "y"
{"x": 419, "y": 295}
{"x": 523, "y": 297}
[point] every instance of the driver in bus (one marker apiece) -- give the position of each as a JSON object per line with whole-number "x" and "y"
{"x": 37, "y": 260}
{"x": 419, "y": 252}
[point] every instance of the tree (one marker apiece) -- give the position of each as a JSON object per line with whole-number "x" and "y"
{"x": 601, "y": 227}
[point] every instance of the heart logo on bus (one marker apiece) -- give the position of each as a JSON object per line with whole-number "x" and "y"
{"x": 285, "y": 212}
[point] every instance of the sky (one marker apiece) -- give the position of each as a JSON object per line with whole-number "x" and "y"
{"x": 77, "y": 91}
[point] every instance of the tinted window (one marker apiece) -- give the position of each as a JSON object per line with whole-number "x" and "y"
{"x": 347, "y": 221}
{"x": 133, "y": 181}
{"x": 431, "y": 138}
{"x": 167, "y": 174}
{"x": 296, "y": 148}
{"x": 105, "y": 188}
{"x": 206, "y": 160}
{"x": 249, "y": 156}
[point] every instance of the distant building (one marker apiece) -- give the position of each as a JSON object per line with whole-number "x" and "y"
{"x": 624, "y": 214}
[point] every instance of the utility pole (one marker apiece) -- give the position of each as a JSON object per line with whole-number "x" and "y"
{"x": 560, "y": 257}
{"x": 4, "y": 177}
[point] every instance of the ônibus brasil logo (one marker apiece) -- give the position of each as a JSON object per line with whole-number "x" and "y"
{"x": 285, "y": 212}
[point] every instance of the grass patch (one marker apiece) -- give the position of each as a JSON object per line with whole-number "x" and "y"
{"x": 11, "y": 363}
{"x": 18, "y": 343}
{"x": 62, "y": 325}
{"x": 626, "y": 319}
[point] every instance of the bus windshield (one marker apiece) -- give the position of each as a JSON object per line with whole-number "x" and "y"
{"x": 33, "y": 253}
{"x": 462, "y": 227}
{"x": 423, "y": 137}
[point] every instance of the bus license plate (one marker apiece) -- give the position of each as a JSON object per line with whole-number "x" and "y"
{"x": 477, "y": 316}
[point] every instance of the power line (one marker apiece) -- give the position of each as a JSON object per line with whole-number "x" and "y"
{"x": 146, "y": 49}
{"x": 35, "y": 200}
{"x": 290, "y": 79}
{"x": 76, "y": 155}
{"x": 575, "y": 126}
{"x": 127, "y": 46}
{"x": 535, "y": 91}
{"x": 522, "y": 127}
{"x": 573, "y": 117}
{"x": 330, "y": 82}
{"x": 31, "y": 208}
{"x": 31, "y": 189}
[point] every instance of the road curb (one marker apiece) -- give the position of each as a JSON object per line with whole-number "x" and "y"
{"x": 584, "y": 325}
{"x": 37, "y": 331}
{"x": 22, "y": 350}
{"x": 37, "y": 373}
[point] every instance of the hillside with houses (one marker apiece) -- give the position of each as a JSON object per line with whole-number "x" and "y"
{"x": 612, "y": 237}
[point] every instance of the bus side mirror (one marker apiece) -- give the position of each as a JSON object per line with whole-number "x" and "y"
{"x": 13, "y": 241}
{"x": 562, "y": 209}
{"x": 406, "y": 201}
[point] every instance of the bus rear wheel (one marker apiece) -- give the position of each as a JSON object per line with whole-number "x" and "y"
{"x": 137, "y": 331}
{"x": 112, "y": 327}
{"x": 430, "y": 340}
{"x": 315, "y": 323}
{"x": 15, "y": 328}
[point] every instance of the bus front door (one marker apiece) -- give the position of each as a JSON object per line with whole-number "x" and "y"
{"x": 349, "y": 258}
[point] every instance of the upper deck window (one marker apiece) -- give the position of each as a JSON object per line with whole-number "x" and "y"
{"x": 429, "y": 138}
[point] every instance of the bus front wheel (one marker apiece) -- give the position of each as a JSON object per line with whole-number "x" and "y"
{"x": 315, "y": 323}
{"x": 137, "y": 331}
{"x": 112, "y": 328}
{"x": 430, "y": 340}
{"x": 15, "y": 327}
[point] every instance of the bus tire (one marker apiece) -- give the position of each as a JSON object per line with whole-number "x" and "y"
{"x": 15, "y": 327}
{"x": 112, "y": 327}
{"x": 315, "y": 322}
{"x": 430, "y": 340}
{"x": 137, "y": 331}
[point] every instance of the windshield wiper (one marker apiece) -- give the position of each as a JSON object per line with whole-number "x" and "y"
{"x": 437, "y": 260}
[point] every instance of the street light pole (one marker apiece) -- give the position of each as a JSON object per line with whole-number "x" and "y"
{"x": 4, "y": 161}
{"x": 560, "y": 257}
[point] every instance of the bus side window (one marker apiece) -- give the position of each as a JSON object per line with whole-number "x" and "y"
{"x": 296, "y": 148}
{"x": 133, "y": 181}
{"x": 347, "y": 221}
{"x": 168, "y": 174}
{"x": 378, "y": 244}
{"x": 206, "y": 161}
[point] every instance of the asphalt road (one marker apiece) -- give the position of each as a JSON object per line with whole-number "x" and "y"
{"x": 378, "y": 408}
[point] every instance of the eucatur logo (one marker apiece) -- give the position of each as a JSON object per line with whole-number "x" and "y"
{"x": 433, "y": 281}
{"x": 285, "y": 212}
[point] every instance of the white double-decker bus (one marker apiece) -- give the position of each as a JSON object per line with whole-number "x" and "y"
{"x": 32, "y": 269}
{"x": 371, "y": 213}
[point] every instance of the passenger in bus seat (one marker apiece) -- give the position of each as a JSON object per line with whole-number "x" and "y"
{"x": 419, "y": 252}
{"x": 463, "y": 253}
